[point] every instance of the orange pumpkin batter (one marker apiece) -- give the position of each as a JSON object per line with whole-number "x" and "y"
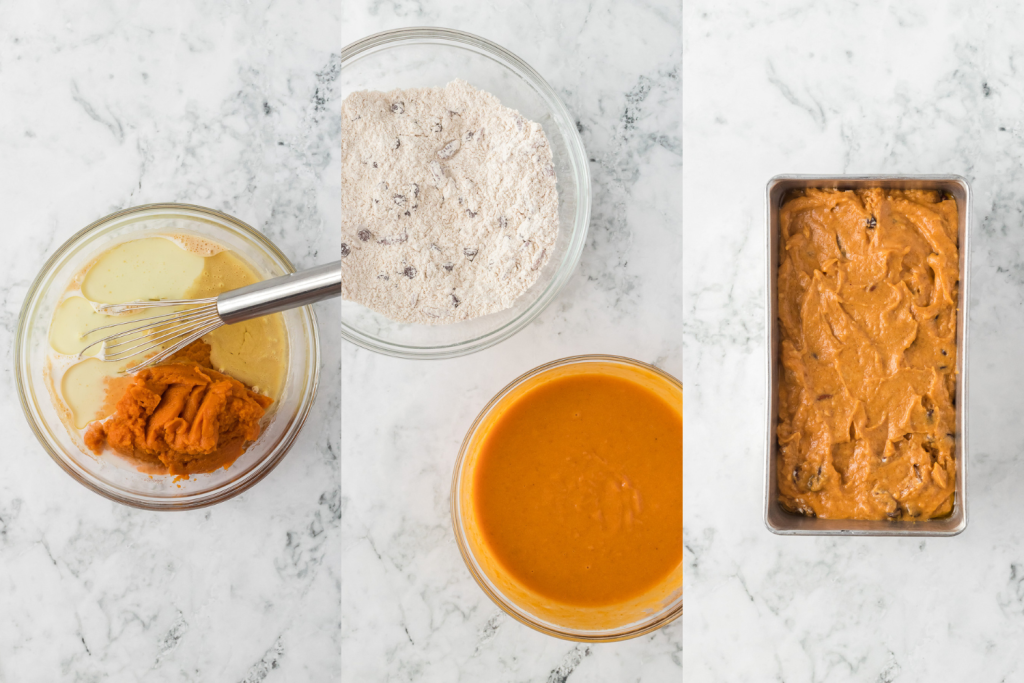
{"x": 183, "y": 416}
{"x": 577, "y": 489}
{"x": 867, "y": 312}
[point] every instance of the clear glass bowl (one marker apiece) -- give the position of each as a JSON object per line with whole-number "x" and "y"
{"x": 659, "y": 606}
{"x": 426, "y": 57}
{"x": 110, "y": 475}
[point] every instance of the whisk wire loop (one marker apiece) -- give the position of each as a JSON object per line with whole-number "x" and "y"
{"x": 160, "y": 335}
{"x": 168, "y": 333}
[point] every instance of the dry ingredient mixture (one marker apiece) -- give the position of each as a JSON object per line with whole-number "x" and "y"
{"x": 449, "y": 205}
{"x": 868, "y": 284}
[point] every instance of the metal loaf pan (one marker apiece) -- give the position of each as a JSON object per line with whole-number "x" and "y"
{"x": 777, "y": 519}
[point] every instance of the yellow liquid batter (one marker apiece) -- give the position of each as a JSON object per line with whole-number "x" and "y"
{"x": 175, "y": 267}
{"x": 150, "y": 268}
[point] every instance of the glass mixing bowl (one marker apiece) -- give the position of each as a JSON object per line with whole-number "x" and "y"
{"x": 110, "y": 475}
{"x": 425, "y": 57}
{"x": 659, "y": 605}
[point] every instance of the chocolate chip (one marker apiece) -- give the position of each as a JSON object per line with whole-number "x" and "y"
{"x": 872, "y": 223}
{"x": 824, "y": 397}
{"x": 448, "y": 266}
{"x": 365, "y": 235}
{"x": 407, "y": 213}
{"x": 872, "y": 287}
{"x": 345, "y": 251}
{"x": 815, "y": 481}
{"x": 398, "y": 107}
{"x": 409, "y": 272}
{"x": 917, "y": 473}
{"x": 383, "y": 276}
{"x": 469, "y": 135}
{"x": 943, "y": 352}
{"x": 449, "y": 150}
{"x": 470, "y": 253}
{"x": 456, "y": 301}
{"x": 375, "y": 164}
{"x": 399, "y": 199}
{"x": 398, "y": 143}
{"x": 471, "y": 214}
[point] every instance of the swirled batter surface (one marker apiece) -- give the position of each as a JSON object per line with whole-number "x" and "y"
{"x": 867, "y": 288}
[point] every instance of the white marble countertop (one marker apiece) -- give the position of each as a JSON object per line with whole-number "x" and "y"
{"x": 800, "y": 87}
{"x": 410, "y": 609}
{"x": 106, "y": 105}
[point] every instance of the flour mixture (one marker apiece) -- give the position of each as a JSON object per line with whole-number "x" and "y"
{"x": 449, "y": 205}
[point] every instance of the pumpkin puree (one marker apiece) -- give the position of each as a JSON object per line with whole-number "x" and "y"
{"x": 867, "y": 288}
{"x": 183, "y": 416}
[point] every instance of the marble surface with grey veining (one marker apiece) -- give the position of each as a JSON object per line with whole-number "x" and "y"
{"x": 410, "y": 609}
{"x": 859, "y": 88}
{"x": 110, "y": 104}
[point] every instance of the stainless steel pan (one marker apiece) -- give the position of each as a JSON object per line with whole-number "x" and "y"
{"x": 780, "y": 521}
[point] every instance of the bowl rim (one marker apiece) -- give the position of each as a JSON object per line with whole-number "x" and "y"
{"x": 666, "y": 616}
{"x": 162, "y": 503}
{"x": 577, "y": 160}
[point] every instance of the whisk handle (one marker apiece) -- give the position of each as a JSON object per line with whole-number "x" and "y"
{"x": 280, "y": 293}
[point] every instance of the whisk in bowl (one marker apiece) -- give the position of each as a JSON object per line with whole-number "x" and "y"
{"x": 168, "y": 333}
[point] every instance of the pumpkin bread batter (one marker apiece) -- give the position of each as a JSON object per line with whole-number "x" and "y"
{"x": 183, "y": 416}
{"x": 578, "y": 489}
{"x": 867, "y": 288}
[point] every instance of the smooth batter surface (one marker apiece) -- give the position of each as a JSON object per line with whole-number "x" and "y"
{"x": 578, "y": 489}
{"x": 867, "y": 290}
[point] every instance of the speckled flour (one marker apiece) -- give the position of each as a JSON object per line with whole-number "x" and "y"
{"x": 449, "y": 206}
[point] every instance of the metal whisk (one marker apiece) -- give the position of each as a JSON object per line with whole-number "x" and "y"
{"x": 180, "y": 328}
